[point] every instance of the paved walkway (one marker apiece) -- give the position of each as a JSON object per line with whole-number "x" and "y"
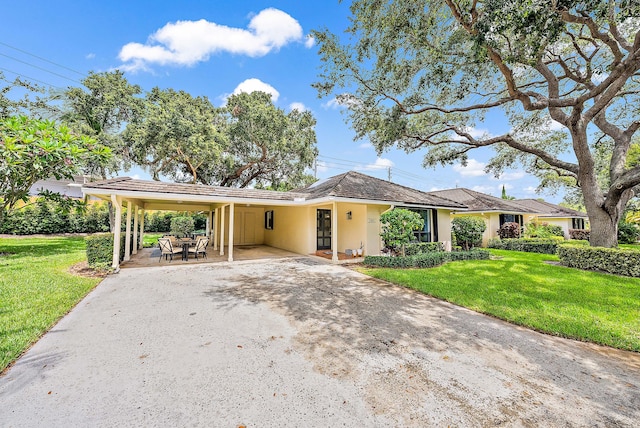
{"x": 298, "y": 342}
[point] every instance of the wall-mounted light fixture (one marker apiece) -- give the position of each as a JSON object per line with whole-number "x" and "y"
{"x": 348, "y": 215}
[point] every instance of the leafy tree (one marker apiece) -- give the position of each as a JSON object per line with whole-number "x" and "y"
{"x": 101, "y": 110}
{"x": 182, "y": 226}
{"x": 467, "y": 231}
{"x": 33, "y": 150}
{"x": 177, "y": 136}
{"x": 505, "y": 196}
{"x": 266, "y": 146}
{"x": 421, "y": 75}
{"x": 34, "y": 102}
{"x": 398, "y": 226}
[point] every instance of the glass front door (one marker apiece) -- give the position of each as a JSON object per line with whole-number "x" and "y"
{"x": 324, "y": 230}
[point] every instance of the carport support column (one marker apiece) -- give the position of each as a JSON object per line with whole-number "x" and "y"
{"x": 141, "y": 229}
{"x": 116, "y": 231}
{"x": 216, "y": 227}
{"x": 334, "y": 232}
{"x": 135, "y": 229}
{"x": 207, "y": 228}
{"x": 127, "y": 239}
{"x": 222, "y": 231}
{"x": 231, "y": 210}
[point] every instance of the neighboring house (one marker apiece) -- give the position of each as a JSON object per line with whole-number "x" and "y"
{"x": 555, "y": 214}
{"x": 494, "y": 211}
{"x": 497, "y": 211}
{"x": 71, "y": 188}
{"x": 335, "y": 214}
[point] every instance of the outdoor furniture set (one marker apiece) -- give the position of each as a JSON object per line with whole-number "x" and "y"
{"x": 170, "y": 246}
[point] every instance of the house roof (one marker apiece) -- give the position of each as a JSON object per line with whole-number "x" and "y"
{"x": 546, "y": 209}
{"x": 354, "y": 185}
{"x": 351, "y": 185}
{"x": 477, "y": 201}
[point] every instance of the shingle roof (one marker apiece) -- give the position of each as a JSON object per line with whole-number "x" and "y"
{"x": 477, "y": 201}
{"x": 132, "y": 185}
{"x": 547, "y": 209}
{"x": 354, "y": 185}
{"x": 351, "y": 185}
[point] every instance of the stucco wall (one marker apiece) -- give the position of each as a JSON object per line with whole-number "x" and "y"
{"x": 248, "y": 226}
{"x": 564, "y": 223}
{"x": 351, "y": 233}
{"x": 291, "y": 229}
{"x": 444, "y": 227}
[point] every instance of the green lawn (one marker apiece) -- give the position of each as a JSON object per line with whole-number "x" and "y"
{"x": 521, "y": 288}
{"x": 150, "y": 239}
{"x": 35, "y": 288}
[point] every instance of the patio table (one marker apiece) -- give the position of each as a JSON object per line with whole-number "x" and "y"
{"x": 186, "y": 243}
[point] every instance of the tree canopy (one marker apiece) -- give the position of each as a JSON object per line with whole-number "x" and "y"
{"x": 33, "y": 150}
{"x": 101, "y": 109}
{"x": 421, "y": 75}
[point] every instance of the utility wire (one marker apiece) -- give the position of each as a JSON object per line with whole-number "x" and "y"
{"x": 30, "y": 78}
{"x": 43, "y": 59}
{"x": 39, "y": 68}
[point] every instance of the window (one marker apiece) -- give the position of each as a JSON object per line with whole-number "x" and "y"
{"x": 511, "y": 218}
{"x": 423, "y": 235}
{"x": 268, "y": 220}
{"x": 577, "y": 223}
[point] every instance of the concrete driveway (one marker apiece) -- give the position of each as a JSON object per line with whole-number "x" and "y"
{"x": 298, "y": 342}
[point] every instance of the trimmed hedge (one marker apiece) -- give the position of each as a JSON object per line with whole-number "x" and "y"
{"x": 529, "y": 245}
{"x": 414, "y": 248}
{"x": 611, "y": 260}
{"x": 100, "y": 249}
{"x": 425, "y": 260}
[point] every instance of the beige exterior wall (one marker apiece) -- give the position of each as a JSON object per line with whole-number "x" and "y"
{"x": 291, "y": 229}
{"x": 353, "y": 232}
{"x": 373, "y": 247}
{"x": 444, "y": 227}
{"x": 564, "y": 223}
{"x": 248, "y": 226}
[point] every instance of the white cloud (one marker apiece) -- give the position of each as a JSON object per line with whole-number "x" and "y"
{"x": 473, "y": 168}
{"x": 332, "y": 104}
{"x": 380, "y": 163}
{"x": 298, "y": 106}
{"x": 90, "y": 55}
{"x": 322, "y": 166}
{"x": 366, "y": 146}
{"x": 186, "y": 43}
{"x": 435, "y": 189}
{"x": 310, "y": 41}
{"x": 253, "y": 84}
{"x": 510, "y": 176}
{"x": 478, "y": 132}
{"x": 530, "y": 190}
{"x": 484, "y": 189}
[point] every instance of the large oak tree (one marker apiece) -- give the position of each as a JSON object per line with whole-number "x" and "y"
{"x": 420, "y": 75}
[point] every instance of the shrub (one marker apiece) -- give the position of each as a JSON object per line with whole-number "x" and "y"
{"x": 414, "y": 248}
{"x": 530, "y": 245}
{"x": 543, "y": 230}
{"x": 509, "y": 230}
{"x": 99, "y": 250}
{"x": 611, "y": 260}
{"x": 579, "y": 234}
{"x": 628, "y": 233}
{"x": 467, "y": 231}
{"x": 425, "y": 260}
{"x": 182, "y": 226}
{"x": 398, "y": 226}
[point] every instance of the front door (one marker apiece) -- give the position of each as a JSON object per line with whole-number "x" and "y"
{"x": 324, "y": 230}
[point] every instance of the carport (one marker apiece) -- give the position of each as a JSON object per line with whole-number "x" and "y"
{"x": 220, "y": 203}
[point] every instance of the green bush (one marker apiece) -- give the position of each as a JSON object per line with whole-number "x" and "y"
{"x": 467, "y": 231}
{"x": 611, "y": 260}
{"x": 414, "y": 248}
{"x": 530, "y": 245}
{"x": 542, "y": 230}
{"x": 99, "y": 250}
{"x": 398, "y": 226}
{"x": 425, "y": 260}
{"x": 628, "y": 233}
{"x": 182, "y": 226}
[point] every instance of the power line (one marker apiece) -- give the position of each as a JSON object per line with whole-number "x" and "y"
{"x": 30, "y": 78}
{"x": 39, "y": 68}
{"x": 43, "y": 59}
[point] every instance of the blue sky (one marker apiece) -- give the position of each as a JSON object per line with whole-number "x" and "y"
{"x": 213, "y": 48}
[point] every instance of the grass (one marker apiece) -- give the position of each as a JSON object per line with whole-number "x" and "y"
{"x": 36, "y": 289}
{"x": 150, "y": 239}
{"x": 520, "y": 288}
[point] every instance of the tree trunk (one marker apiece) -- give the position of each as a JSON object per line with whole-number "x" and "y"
{"x": 604, "y": 228}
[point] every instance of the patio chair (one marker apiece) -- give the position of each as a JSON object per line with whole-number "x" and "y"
{"x": 200, "y": 247}
{"x": 166, "y": 249}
